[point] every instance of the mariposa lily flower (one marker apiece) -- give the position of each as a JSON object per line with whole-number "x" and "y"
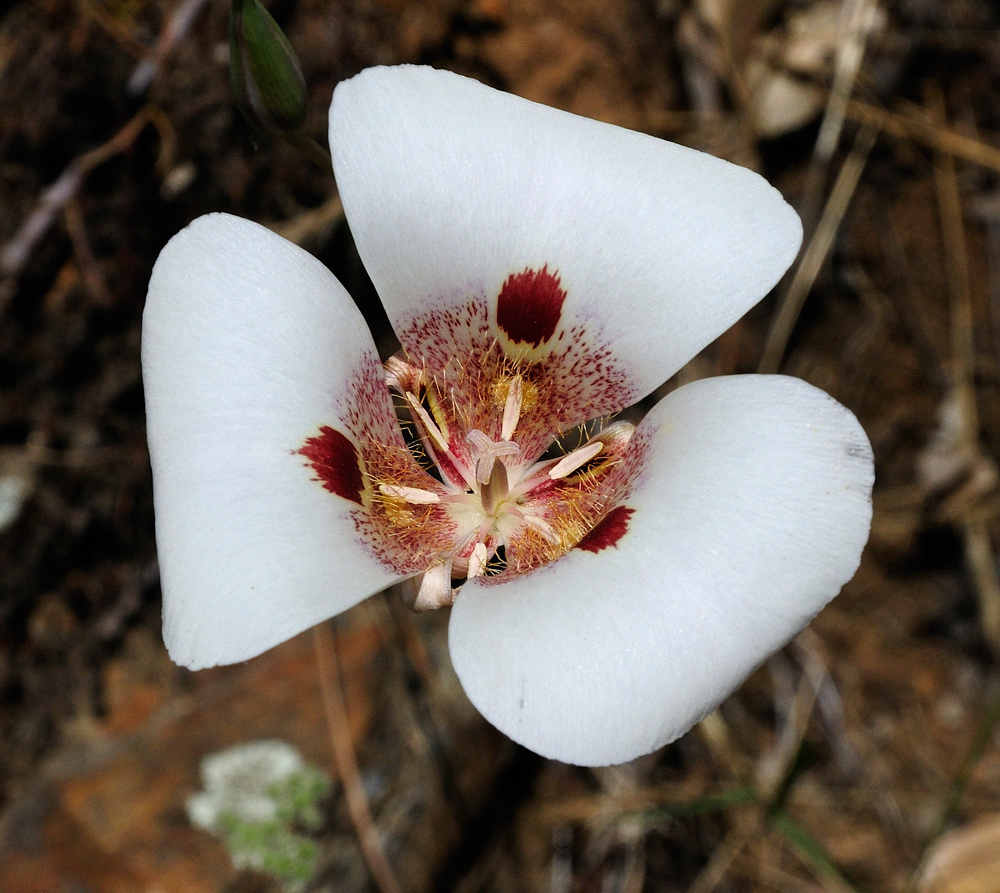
{"x": 611, "y": 583}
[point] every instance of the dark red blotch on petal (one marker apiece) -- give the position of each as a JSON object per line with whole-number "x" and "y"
{"x": 611, "y": 529}
{"x": 529, "y": 306}
{"x": 335, "y": 460}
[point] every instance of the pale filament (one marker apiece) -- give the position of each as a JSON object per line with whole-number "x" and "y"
{"x": 542, "y": 526}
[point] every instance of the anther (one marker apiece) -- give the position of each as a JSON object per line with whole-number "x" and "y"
{"x": 425, "y": 417}
{"x": 512, "y": 408}
{"x": 413, "y": 495}
{"x": 572, "y": 461}
{"x": 435, "y": 588}
{"x": 477, "y": 560}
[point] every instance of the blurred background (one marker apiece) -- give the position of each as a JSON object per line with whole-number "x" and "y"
{"x": 865, "y": 756}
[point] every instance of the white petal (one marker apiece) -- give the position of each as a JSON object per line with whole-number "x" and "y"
{"x": 248, "y": 342}
{"x": 450, "y": 187}
{"x": 751, "y": 513}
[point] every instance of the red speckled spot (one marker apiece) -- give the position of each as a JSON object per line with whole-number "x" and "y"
{"x": 334, "y": 458}
{"x": 611, "y": 529}
{"x": 529, "y": 306}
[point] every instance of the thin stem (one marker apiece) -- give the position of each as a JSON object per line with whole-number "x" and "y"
{"x": 817, "y": 251}
{"x": 977, "y": 747}
{"x": 810, "y": 850}
{"x": 328, "y": 669}
{"x": 311, "y": 149}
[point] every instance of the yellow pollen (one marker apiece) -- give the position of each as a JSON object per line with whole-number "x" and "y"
{"x": 500, "y": 392}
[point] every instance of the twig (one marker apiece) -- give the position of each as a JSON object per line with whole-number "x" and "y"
{"x": 856, "y": 19}
{"x": 85, "y": 260}
{"x": 312, "y": 226}
{"x": 86, "y": 457}
{"x": 719, "y": 737}
{"x": 100, "y": 15}
{"x": 957, "y": 270}
{"x": 812, "y": 852}
{"x": 817, "y": 250}
{"x": 651, "y": 804}
{"x": 626, "y": 872}
{"x": 722, "y": 857}
{"x": 859, "y": 15}
{"x": 173, "y": 32}
{"x": 978, "y": 551}
{"x": 987, "y": 210}
{"x": 978, "y": 745}
{"x": 919, "y": 128}
{"x": 776, "y": 781}
{"x": 16, "y": 252}
{"x": 981, "y": 562}
{"x": 346, "y": 762}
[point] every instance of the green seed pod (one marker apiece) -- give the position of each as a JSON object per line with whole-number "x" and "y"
{"x": 264, "y": 71}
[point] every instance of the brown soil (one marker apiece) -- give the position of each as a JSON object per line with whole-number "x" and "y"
{"x": 862, "y": 742}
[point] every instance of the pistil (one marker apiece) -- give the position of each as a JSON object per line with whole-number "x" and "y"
{"x": 494, "y": 491}
{"x": 486, "y": 454}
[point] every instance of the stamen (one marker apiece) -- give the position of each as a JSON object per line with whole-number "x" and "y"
{"x": 572, "y": 461}
{"x": 477, "y": 560}
{"x": 512, "y": 408}
{"x": 397, "y": 373}
{"x": 425, "y": 417}
{"x": 413, "y": 495}
{"x": 543, "y": 527}
{"x": 435, "y": 588}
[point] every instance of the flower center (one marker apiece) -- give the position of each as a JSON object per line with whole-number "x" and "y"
{"x": 477, "y": 482}
{"x": 501, "y": 511}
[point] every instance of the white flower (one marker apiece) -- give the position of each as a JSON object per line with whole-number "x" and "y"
{"x": 541, "y": 270}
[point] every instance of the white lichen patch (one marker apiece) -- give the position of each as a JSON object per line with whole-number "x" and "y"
{"x": 259, "y": 797}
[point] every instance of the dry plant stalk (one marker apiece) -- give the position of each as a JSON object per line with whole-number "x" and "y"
{"x": 346, "y": 762}
{"x": 918, "y": 127}
{"x": 856, "y": 19}
{"x": 975, "y": 534}
{"x": 89, "y": 267}
{"x": 312, "y": 226}
{"x": 816, "y": 251}
{"x": 173, "y": 33}
{"x": 54, "y": 199}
